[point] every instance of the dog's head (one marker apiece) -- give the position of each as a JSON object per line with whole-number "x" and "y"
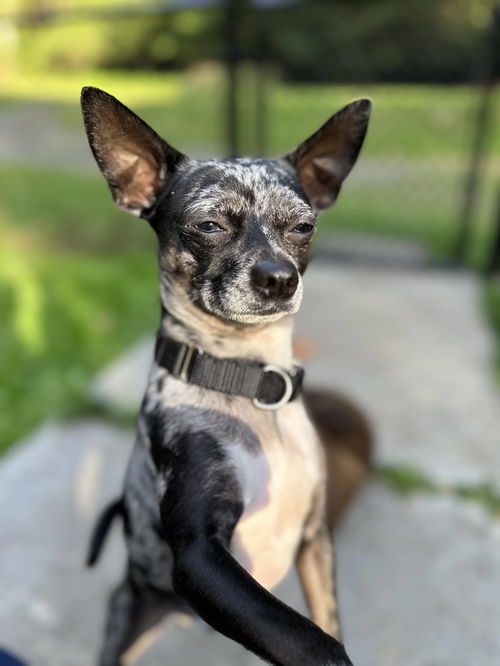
{"x": 235, "y": 234}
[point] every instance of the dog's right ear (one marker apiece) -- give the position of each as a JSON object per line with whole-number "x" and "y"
{"x": 325, "y": 159}
{"x": 135, "y": 161}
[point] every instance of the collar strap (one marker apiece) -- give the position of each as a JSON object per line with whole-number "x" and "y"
{"x": 268, "y": 386}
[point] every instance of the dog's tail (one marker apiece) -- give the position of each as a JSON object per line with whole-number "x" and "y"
{"x": 100, "y": 530}
{"x": 348, "y": 440}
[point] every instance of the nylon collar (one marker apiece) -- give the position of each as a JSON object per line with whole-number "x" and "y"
{"x": 268, "y": 386}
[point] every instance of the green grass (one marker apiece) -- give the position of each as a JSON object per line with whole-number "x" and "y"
{"x": 408, "y": 120}
{"x": 66, "y": 316}
{"x": 78, "y": 277}
{"x": 65, "y": 211}
{"x": 188, "y": 112}
{"x": 492, "y": 309}
{"x": 77, "y": 285}
{"x": 406, "y": 480}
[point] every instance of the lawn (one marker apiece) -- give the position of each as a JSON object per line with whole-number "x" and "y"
{"x": 76, "y": 286}
{"x": 78, "y": 274}
{"x": 408, "y": 120}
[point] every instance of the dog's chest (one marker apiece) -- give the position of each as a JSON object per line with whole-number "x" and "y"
{"x": 278, "y": 487}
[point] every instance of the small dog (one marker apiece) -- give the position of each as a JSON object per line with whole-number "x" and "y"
{"x": 226, "y": 484}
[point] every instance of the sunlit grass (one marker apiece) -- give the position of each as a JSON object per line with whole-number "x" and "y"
{"x": 87, "y": 308}
{"x": 61, "y": 86}
{"x": 412, "y": 121}
{"x": 407, "y": 121}
{"x": 77, "y": 285}
{"x": 65, "y": 210}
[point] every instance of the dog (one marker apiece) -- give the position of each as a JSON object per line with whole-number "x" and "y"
{"x": 225, "y": 488}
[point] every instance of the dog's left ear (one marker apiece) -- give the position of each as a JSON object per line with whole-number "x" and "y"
{"x": 135, "y": 161}
{"x": 325, "y": 159}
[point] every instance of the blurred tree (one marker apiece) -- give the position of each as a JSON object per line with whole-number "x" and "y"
{"x": 170, "y": 41}
{"x": 381, "y": 40}
{"x": 314, "y": 40}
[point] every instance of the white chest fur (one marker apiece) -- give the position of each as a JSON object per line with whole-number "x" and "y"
{"x": 278, "y": 486}
{"x": 277, "y": 482}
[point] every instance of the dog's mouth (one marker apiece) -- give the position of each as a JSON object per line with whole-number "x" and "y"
{"x": 247, "y": 317}
{"x": 254, "y": 318}
{"x": 252, "y": 313}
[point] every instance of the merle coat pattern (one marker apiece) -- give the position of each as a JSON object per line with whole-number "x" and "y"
{"x": 222, "y": 497}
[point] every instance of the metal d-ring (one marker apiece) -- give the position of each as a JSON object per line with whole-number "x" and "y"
{"x": 287, "y": 394}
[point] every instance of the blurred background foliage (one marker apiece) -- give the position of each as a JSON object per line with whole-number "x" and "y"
{"x": 78, "y": 277}
{"x": 378, "y": 40}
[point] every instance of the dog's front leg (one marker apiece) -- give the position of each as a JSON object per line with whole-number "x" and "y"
{"x": 199, "y": 511}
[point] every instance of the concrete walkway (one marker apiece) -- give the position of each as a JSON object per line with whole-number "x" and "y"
{"x": 413, "y": 348}
{"x": 419, "y": 576}
{"x": 35, "y": 134}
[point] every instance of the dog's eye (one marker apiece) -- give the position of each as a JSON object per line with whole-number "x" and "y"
{"x": 209, "y": 227}
{"x": 303, "y": 228}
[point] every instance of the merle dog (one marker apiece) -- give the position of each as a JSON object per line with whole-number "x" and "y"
{"x": 226, "y": 485}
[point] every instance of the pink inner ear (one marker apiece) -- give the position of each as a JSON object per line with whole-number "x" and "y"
{"x": 327, "y": 166}
{"x": 136, "y": 179}
{"x": 321, "y": 179}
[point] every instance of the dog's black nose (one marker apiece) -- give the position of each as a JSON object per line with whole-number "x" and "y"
{"x": 275, "y": 279}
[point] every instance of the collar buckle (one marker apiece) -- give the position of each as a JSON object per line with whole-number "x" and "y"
{"x": 287, "y": 390}
{"x": 183, "y": 362}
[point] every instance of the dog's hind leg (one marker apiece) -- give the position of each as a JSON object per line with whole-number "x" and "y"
{"x": 135, "y": 612}
{"x": 348, "y": 443}
{"x": 315, "y": 563}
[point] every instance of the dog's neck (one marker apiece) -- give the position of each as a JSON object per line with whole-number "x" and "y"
{"x": 183, "y": 321}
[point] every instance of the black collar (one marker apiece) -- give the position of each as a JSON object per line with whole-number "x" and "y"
{"x": 268, "y": 386}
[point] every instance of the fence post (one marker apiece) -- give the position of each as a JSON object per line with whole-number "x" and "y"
{"x": 493, "y": 265}
{"x": 234, "y": 9}
{"x": 483, "y": 124}
{"x": 261, "y": 59}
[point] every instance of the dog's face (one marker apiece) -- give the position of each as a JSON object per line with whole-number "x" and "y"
{"x": 237, "y": 233}
{"x": 233, "y": 234}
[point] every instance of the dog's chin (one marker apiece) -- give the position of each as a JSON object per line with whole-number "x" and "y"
{"x": 254, "y": 317}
